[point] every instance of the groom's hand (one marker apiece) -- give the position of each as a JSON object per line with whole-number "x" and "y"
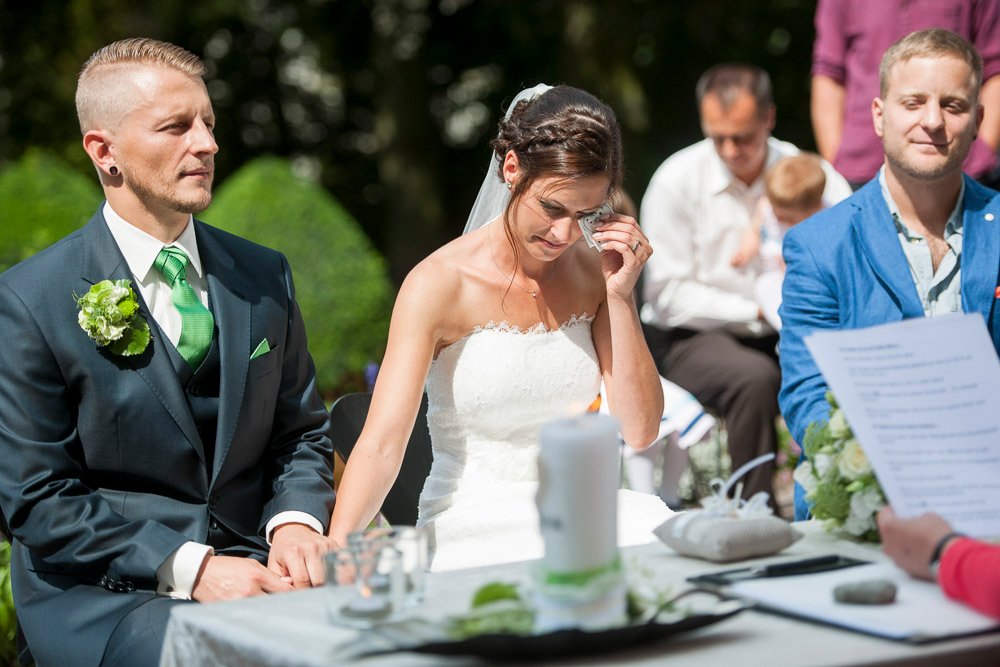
{"x": 297, "y": 554}
{"x": 229, "y": 578}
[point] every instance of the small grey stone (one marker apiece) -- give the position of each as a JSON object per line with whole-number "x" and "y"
{"x": 873, "y": 591}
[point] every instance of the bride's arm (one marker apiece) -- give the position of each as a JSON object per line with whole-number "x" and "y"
{"x": 634, "y": 393}
{"x": 374, "y": 462}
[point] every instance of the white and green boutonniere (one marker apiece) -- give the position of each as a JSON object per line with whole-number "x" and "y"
{"x": 109, "y": 315}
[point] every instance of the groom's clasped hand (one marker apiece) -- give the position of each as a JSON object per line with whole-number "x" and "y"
{"x": 295, "y": 561}
{"x": 230, "y": 578}
{"x": 297, "y": 555}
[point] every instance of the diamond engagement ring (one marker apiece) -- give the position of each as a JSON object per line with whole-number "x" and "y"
{"x": 636, "y": 245}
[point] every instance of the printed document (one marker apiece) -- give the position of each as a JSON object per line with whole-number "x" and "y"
{"x": 922, "y": 397}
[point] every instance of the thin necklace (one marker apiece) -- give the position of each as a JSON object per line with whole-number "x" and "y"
{"x": 538, "y": 286}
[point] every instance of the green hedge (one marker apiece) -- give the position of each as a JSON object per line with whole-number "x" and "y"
{"x": 43, "y": 199}
{"x": 8, "y": 645}
{"x": 341, "y": 281}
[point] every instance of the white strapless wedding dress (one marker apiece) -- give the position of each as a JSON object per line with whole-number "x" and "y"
{"x": 488, "y": 395}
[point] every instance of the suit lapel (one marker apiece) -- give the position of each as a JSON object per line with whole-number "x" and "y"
{"x": 231, "y": 310}
{"x": 980, "y": 250}
{"x": 103, "y": 260}
{"x": 873, "y": 224}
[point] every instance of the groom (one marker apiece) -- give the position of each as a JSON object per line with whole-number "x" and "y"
{"x": 189, "y": 458}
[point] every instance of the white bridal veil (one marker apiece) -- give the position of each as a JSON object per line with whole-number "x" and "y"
{"x": 493, "y": 196}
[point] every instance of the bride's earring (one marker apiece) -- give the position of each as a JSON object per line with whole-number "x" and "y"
{"x": 509, "y": 186}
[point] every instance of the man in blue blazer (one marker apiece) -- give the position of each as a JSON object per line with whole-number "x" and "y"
{"x": 919, "y": 240}
{"x": 161, "y": 437}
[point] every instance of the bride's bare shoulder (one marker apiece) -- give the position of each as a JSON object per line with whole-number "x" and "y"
{"x": 439, "y": 279}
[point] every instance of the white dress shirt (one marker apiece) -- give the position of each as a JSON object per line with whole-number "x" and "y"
{"x": 694, "y": 213}
{"x": 177, "y": 575}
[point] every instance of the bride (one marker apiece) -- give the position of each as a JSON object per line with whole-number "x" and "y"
{"x": 509, "y": 326}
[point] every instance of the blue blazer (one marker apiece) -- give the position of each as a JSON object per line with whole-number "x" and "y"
{"x": 103, "y": 472}
{"x": 845, "y": 269}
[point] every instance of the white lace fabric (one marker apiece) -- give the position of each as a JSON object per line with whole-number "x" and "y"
{"x": 490, "y": 392}
{"x": 488, "y": 395}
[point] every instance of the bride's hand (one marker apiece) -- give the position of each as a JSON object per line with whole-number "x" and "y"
{"x": 625, "y": 250}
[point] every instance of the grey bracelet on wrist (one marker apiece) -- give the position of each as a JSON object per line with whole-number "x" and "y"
{"x": 935, "y": 562}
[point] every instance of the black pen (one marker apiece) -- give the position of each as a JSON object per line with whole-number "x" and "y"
{"x": 793, "y": 567}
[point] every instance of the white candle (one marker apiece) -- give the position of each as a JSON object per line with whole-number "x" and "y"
{"x": 577, "y": 493}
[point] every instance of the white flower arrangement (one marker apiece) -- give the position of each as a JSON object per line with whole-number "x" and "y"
{"x": 841, "y": 487}
{"x": 109, "y": 315}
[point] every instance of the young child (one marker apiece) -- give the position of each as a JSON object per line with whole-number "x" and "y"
{"x": 793, "y": 191}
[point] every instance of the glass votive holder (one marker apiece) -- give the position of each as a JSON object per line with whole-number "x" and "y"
{"x": 410, "y": 543}
{"x": 359, "y": 595}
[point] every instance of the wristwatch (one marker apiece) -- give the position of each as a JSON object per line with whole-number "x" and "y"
{"x": 935, "y": 563}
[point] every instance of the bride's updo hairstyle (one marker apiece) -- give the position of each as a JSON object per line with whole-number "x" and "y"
{"x": 564, "y": 132}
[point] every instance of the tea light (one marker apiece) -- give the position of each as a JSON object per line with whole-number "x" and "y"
{"x": 366, "y": 606}
{"x": 379, "y": 582}
{"x": 409, "y": 554}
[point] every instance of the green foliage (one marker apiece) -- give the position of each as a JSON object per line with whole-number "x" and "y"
{"x": 496, "y": 609}
{"x": 814, "y": 439}
{"x": 8, "y": 623}
{"x": 495, "y": 591}
{"x": 788, "y": 450}
{"x": 107, "y": 313}
{"x": 841, "y": 487}
{"x": 831, "y": 501}
{"x": 341, "y": 282}
{"x": 43, "y": 200}
{"x": 393, "y": 102}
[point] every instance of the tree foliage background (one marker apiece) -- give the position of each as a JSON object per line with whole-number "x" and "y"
{"x": 389, "y": 104}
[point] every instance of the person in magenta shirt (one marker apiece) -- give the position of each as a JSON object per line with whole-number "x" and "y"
{"x": 927, "y": 547}
{"x": 852, "y": 35}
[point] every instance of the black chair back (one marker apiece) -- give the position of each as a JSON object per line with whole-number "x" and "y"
{"x": 347, "y": 417}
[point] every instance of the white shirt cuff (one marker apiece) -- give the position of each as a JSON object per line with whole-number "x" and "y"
{"x": 177, "y": 574}
{"x": 281, "y": 518}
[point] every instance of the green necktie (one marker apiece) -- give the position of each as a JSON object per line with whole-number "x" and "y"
{"x": 196, "y": 320}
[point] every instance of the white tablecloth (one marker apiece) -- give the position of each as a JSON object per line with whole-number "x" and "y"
{"x": 292, "y": 629}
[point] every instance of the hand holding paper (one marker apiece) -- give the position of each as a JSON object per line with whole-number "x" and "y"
{"x": 923, "y": 398}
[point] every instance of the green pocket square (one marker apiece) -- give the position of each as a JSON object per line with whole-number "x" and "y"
{"x": 262, "y": 348}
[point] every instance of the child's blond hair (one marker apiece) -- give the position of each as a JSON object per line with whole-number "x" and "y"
{"x": 796, "y": 182}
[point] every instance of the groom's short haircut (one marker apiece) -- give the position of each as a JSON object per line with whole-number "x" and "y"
{"x": 104, "y": 96}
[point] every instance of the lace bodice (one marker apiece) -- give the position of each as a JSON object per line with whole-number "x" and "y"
{"x": 490, "y": 392}
{"x": 488, "y": 395}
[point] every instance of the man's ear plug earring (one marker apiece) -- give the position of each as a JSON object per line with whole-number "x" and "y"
{"x": 113, "y": 170}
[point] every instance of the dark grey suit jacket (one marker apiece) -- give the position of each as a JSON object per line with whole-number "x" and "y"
{"x": 102, "y": 470}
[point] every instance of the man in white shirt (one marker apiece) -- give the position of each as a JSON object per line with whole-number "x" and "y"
{"x": 703, "y": 326}
{"x": 162, "y": 438}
